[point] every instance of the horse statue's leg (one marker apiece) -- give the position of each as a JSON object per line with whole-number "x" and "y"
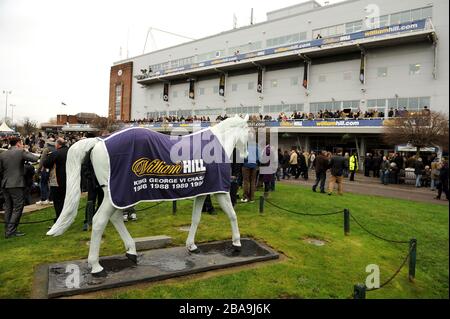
{"x": 99, "y": 222}
{"x": 130, "y": 245}
{"x": 196, "y": 215}
{"x": 226, "y": 205}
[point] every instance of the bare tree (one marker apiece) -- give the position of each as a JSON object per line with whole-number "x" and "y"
{"x": 27, "y": 127}
{"x": 105, "y": 124}
{"x": 419, "y": 129}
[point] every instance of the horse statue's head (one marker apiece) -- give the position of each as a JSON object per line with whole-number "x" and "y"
{"x": 233, "y": 132}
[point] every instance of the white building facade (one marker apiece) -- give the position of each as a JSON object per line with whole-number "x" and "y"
{"x": 403, "y": 46}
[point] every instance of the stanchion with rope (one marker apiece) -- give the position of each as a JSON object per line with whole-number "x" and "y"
{"x": 302, "y": 214}
{"x": 359, "y": 290}
{"x": 146, "y": 208}
{"x": 375, "y": 235}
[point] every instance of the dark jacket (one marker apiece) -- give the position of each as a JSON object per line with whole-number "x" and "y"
{"x": 418, "y": 168}
{"x": 337, "y": 165}
{"x": 12, "y": 167}
{"x": 58, "y": 158}
{"x": 29, "y": 172}
{"x": 443, "y": 176}
{"x": 321, "y": 163}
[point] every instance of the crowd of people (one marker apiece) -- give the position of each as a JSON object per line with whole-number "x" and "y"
{"x": 283, "y": 116}
{"x": 37, "y": 164}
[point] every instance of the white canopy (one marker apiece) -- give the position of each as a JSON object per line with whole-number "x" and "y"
{"x": 5, "y": 128}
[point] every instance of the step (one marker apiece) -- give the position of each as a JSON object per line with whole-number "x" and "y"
{"x": 152, "y": 242}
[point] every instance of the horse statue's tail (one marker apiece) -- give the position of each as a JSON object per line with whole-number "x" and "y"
{"x": 75, "y": 157}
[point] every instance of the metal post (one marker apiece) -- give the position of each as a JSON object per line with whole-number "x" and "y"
{"x": 359, "y": 291}
{"x": 412, "y": 259}
{"x": 174, "y": 207}
{"x": 347, "y": 222}
{"x": 261, "y": 204}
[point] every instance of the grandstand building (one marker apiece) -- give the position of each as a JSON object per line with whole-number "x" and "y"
{"x": 371, "y": 55}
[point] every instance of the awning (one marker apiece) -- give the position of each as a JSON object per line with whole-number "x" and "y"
{"x": 4, "y": 128}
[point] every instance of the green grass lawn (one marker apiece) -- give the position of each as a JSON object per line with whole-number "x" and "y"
{"x": 309, "y": 271}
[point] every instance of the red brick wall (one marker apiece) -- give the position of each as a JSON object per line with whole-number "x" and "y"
{"x": 125, "y": 79}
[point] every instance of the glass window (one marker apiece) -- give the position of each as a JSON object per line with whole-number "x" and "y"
{"x": 302, "y": 36}
{"x": 340, "y": 29}
{"x": 402, "y": 102}
{"x": 416, "y": 14}
{"x": 413, "y": 103}
{"x": 392, "y": 103}
{"x": 424, "y": 101}
{"x": 118, "y": 101}
{"x": 371, "y": 103}
{"x": 251, "y": 85}
{"x": 395, "y": 18}
{"x": 414, "y": 69}
{"x": 405, "y": 16}
{"x": 294, "y": 81}
{"x": 381, "y": 102}
{"x": 234, "y": 87}
{"x": 384, "y": 21}
{"x": 427, "y": 12}
{"x": 353, "y": 26}
{"x": 382, "y": 72}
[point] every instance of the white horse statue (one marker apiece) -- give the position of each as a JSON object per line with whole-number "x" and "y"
{"x": 229, "y": 133}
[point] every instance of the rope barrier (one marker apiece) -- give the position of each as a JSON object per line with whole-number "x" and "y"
{"x": 302, "y": 214}
{"x": 395, "y": 274}
{"x": 142, "y": 209}
{"x": 360, "y": 290}
{"x": 375, "y": 235}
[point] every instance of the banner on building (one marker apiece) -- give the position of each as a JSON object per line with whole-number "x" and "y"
{"x": 305, "y": 74}
{"x": 259, "y": 87}
{"x": 166, "y": 92}
{"x": 192, "y": 89}
{"x": 362, "y": 71}
{"x": 222, "y": 85}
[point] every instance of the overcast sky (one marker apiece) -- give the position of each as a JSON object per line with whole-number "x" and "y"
{"x": 54, "y": 51}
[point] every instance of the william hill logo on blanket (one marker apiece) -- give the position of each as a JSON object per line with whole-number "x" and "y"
{"x": 145, "y": 166}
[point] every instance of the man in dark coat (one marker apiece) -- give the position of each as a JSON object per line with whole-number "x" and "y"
{"x": 321, "y": 165}
{"x": 337, "y": 165}
{"x": 443, "y": 178}
{"x": 13, "y": 183}
{"x": 57, "y": 159}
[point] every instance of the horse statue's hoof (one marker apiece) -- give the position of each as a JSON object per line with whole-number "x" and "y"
{"x": 101, "y": 274}
{"x": 237, "y": 249}
{"x": 232, "y": 251}
{"x": 195, "y": 251}
{"x": 133, "y": 258}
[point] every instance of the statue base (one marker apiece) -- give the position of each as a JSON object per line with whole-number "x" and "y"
{"x": 74, "y": 278}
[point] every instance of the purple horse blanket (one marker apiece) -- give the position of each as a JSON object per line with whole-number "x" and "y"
{"x": 147, "y": 166}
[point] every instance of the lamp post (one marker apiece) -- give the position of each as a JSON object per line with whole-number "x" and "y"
{"x": 6, "y": 92}
{"x": 12, "y": 106}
